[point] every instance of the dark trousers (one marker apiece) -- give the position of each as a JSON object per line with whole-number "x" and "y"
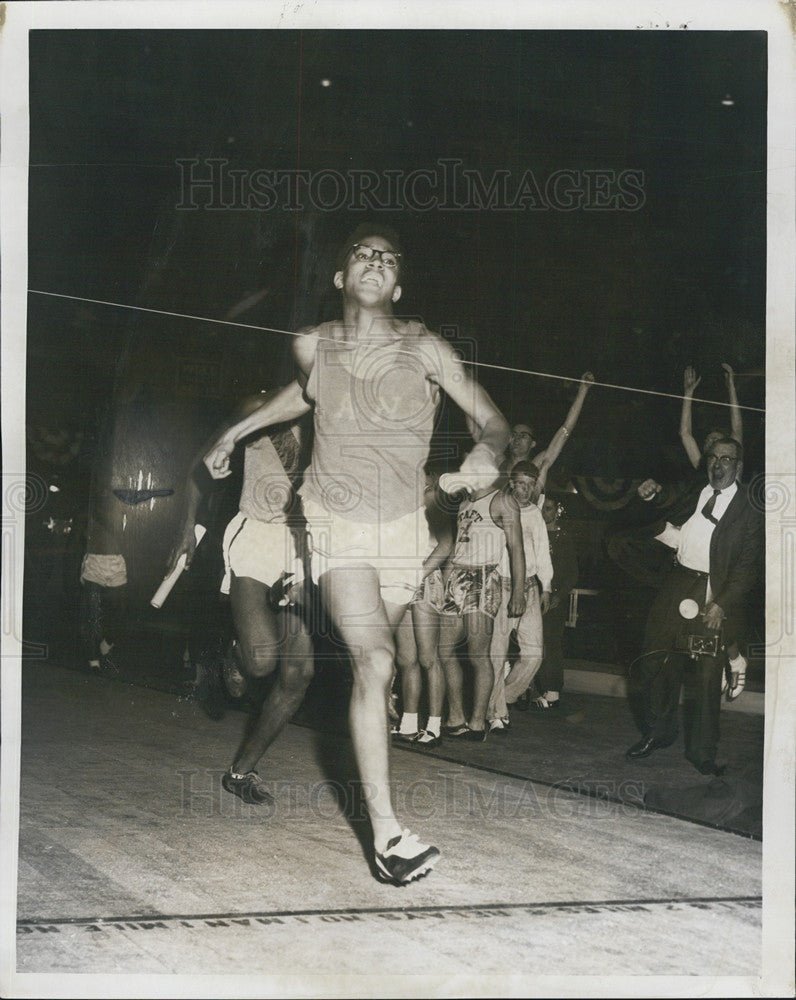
{"x": 664, "y": 671}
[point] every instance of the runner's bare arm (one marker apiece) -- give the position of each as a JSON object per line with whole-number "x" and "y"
{"x": 286, "y": 404}
{"x": 487, "y": 424}
{"x": 195, "y": 486}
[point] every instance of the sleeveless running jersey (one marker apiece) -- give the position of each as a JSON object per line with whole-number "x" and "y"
{"x": 373, "y": 420}
{"x": 479, "y": 541}
{"x": 266, "y": 493}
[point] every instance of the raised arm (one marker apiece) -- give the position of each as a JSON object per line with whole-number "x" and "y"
{"x": 545, "y": 459}
{"x": 736, "y": 423}
{"x": 287, "y": 404}
{"x": 690, "y": 382}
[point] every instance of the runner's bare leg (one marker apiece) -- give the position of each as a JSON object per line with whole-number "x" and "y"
{"x": 366, "y": 624}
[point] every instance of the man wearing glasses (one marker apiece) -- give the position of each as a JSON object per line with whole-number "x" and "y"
{"x": 373, "y": 382}
{"x": 718, "y": 548}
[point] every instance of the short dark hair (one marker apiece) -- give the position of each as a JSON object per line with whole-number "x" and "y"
{"x": 730, "y": 440}
{"x": 369, "y": 229}
{"x": 525, "y": 468}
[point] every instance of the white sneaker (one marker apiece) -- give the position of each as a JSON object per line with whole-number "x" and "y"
{"x": 738, "y": 675}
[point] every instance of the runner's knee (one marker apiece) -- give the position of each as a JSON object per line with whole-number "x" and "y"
{"x": 259, "y": 659}
{"x": 297, "y": 673}
{"x": 375, "y": 666}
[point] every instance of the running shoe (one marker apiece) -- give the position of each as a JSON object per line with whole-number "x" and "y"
{"x": 248, "y": 787}
{"x": 405, "y": 859}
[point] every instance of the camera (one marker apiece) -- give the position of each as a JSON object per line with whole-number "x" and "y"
{"x": 693, "y": 637}
{"x": 702, "y": 645}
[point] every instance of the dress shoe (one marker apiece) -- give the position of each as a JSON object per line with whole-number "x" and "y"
{"x": 646, "y": 746}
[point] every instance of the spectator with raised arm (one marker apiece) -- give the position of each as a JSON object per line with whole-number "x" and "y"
{"x": 717, "y": 535}
{"x": 690, "y": 383}
{"x": 737, "y": 660}
{"x": 522, "y": 441}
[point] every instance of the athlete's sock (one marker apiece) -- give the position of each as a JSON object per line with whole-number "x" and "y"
{"x": 434, "y": 724}
{"x": 408, "y": 723}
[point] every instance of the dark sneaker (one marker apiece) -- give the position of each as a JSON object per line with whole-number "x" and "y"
{"x": 405, "y": 859}
{"x": 498, "y": 727}
{"x": 248, "y": 787}
{"x": 475, "y": 735}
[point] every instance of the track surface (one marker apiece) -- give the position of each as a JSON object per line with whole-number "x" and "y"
{"x": 133, "y": 860}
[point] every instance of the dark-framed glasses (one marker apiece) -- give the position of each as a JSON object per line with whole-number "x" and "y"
{"x": 725, "y": 461}
{"x": 363, "y": 252}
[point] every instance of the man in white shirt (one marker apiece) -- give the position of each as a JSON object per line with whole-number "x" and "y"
{"x": 507, "y": 688}
{"x": 719, "y": 546}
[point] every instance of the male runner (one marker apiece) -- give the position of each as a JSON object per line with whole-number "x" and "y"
{"x": 373, "y": 381}
{"x": 263, "y": 557}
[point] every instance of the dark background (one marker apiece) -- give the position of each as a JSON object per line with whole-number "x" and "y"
{"x": 634, "y": 295}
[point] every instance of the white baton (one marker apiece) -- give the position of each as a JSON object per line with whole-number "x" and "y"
{"x": 165, "y": 588}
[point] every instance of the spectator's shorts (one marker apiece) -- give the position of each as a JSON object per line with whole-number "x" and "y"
{"x": 260, "y": 550}
{"x": 473, "y": 588}
{"x": 431, "y": 592}
{"x": 395, "y": 549}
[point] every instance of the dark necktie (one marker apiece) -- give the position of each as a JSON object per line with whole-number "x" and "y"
{"x": 707, "y": 510}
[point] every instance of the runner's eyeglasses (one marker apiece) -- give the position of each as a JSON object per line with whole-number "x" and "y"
{"x": 363, "y": 252}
